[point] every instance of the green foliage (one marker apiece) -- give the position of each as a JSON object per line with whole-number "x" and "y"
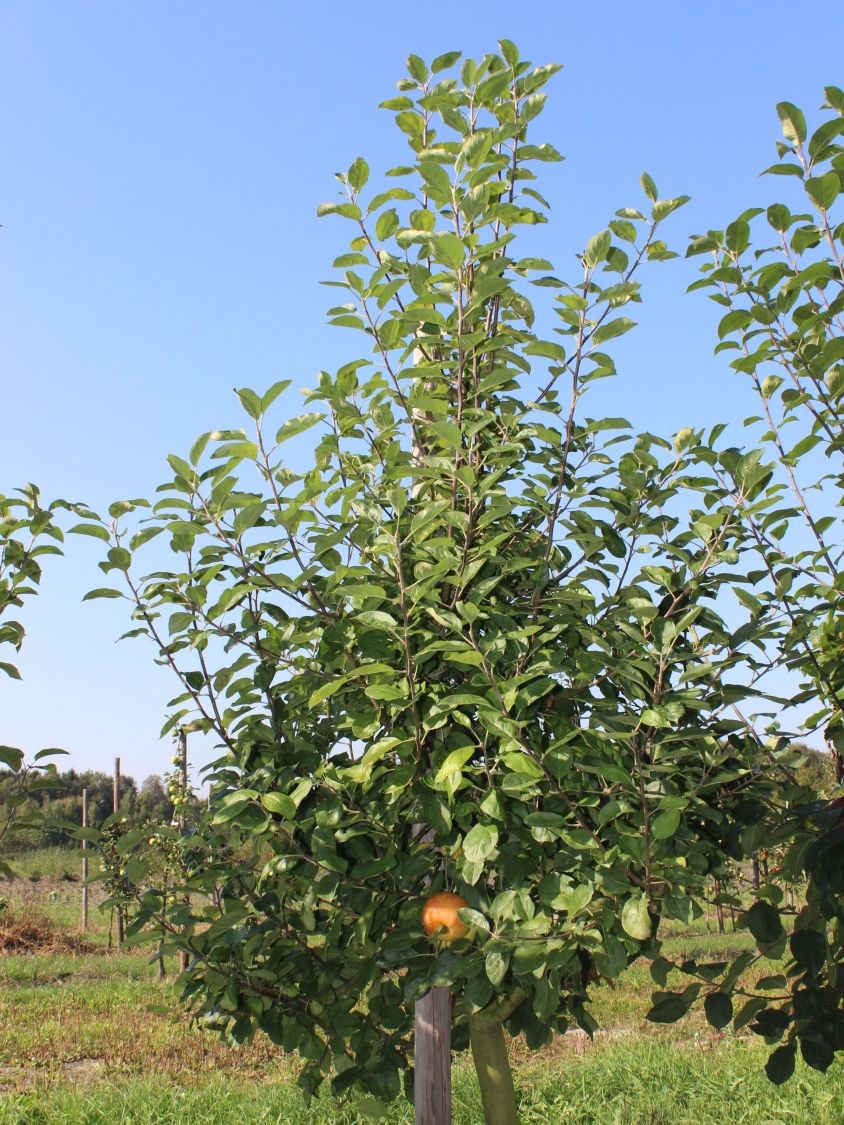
{"x": 52, "y": 809}
{"x": 784, "y": 307}
{"x": 783, "y": 304}
{"x": 478, "y": 644}
{"x": 798, "y": 1005}
{"x": 28, "y": 532}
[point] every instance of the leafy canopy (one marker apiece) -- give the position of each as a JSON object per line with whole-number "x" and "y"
{"x": 477, "y": 644}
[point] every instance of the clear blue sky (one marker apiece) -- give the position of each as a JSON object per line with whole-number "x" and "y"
{"x": 162, "y": 167}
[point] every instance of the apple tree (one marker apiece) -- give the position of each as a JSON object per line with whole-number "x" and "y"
{"x": 778, "y": 275}
{"x": 29, "y": 531}
{"x": 476, "y": 643}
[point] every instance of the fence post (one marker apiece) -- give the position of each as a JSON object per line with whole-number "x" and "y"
{"x": 84, "y": 861}
{"x": 432, "y": 1058}
{"x": 183, "y": 779}
{"x": 118, "y": 913}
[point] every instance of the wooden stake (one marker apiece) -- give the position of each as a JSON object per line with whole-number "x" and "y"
{"x": 432, "y": 1058}
{"x": 115, "y": 801}
{"x": 84, "y": 861}
{"x": 183, "y": 777}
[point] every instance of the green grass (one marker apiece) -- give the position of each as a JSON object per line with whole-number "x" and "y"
{"x": 48, "y": 881}
{"x": 619, "y": 1084}
{"x": 81, "y": 1034}
{"x": 50, "y": 862}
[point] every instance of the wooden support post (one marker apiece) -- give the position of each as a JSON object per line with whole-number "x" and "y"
{"x": 719, "y": 909}
{"x": 755, "y": 872}
{"x": 432, "y": 1058}
{"x": 85, "y": 824}
{"x": 183, "y": 779}
{"x": 118, "y": 913}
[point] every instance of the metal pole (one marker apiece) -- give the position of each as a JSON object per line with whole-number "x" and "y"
{"x": 84, "y": 861}
{"x": 118, "y": 913}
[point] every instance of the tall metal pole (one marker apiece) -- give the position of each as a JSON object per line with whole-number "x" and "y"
{"x": 118, "y": 913}
{"x": 183, "y": 786}
{"x": 84, "y": 861}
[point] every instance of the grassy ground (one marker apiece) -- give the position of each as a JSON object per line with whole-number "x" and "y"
{"x": 79, "y": 1042}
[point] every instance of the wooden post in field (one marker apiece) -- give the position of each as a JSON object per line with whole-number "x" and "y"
{"x": 183, "y": 787}
{"x": 84, "y": 861}
{"x": 755, "y": 871}
{"x": 118, "y": 913}
{"x": 432, "y": 1058}
{"x": 719, "y": 909}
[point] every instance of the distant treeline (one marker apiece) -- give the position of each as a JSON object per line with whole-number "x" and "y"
{"x": 150, "y": 803}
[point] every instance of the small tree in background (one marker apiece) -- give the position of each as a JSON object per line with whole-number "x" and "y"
{"x": 478, "y": 645}
{"x": 28, "y": 532}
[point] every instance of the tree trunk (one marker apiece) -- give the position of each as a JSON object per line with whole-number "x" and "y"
{"x": 489, "y": 1050}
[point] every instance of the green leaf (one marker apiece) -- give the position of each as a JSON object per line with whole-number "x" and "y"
{"x": 636, "y": 919}
{"x": 326, "y": 691}
{"x": 417, "y": 68}
{"x": 763, "y": 921}
{"x": 665, "y": 824}
{"x": 613, "y": 328}
{"x": 358, "y": 174}
{"x": 793, "y": 122}
{"x": 102, "y": 593}
{"x": 443, "y": 62}
{"x": 719, "y": 1009}
{"x": 808, "y": 947}
{"x": 497, "y": 960}
{"x": 437, "y": 182}
{"x": 250, "y": 402}
{"x": 454, "y": 762}
{"x": 668, "y": 1007}
{"x": 823, "y": 190}
{"x": 267, "y": 399}
{"x": 279, "y": 803}
{"x": 597, "y": 248}
{"x": 480, "y": 842}
{"x": 737, "y": 236}
{"x": 387, "y": 224}
{"x": 298, "y": 425}
{"x": 780, "y": 1065}
{"x": 649, "y": 187}
{"x": 509, "y": 51}
{"x": 12, "y": 757}
{"x": 95, "y": 530}
{"x": 376, "y": 619}
{"x": 449, "y": 250}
